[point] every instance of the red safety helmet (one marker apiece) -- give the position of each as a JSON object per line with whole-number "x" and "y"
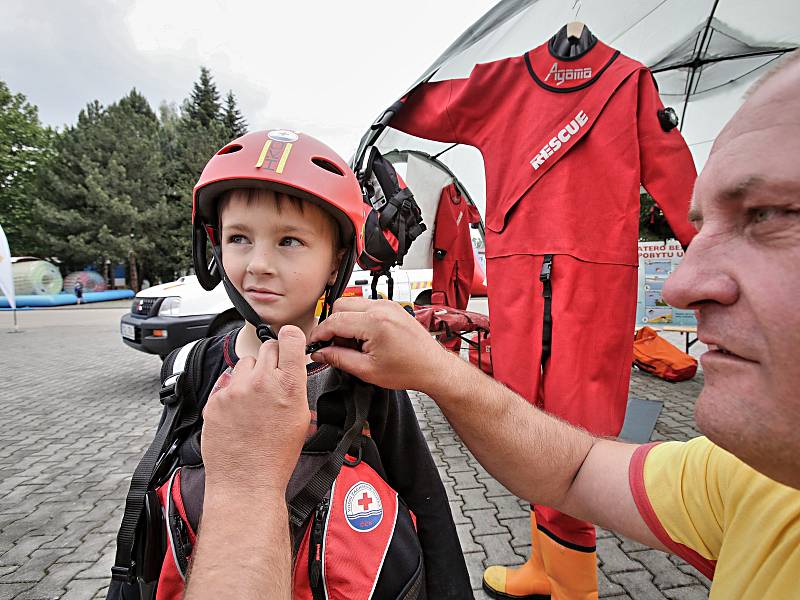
{"x": 283, "y": 161}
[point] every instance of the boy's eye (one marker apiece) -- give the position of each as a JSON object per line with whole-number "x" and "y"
{"x": 290, "y": 242}
{"x": 237, "y": 238}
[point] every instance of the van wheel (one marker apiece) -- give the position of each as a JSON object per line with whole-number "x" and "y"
{"x": 225, "y": 327}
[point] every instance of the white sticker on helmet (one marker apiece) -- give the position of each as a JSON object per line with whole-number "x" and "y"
{"x": 283, "y": 135}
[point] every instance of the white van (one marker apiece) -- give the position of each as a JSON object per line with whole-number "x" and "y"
{"x": 167, "y": 316}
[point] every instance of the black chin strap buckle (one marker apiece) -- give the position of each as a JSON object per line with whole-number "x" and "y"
{"x": 311, "y": 348}
{"x": 264, "y": 332}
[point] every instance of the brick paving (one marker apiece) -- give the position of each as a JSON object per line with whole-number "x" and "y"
{"x": 77, "y": 409}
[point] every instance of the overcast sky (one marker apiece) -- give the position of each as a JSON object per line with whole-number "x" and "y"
{"x": 323, "y": 67}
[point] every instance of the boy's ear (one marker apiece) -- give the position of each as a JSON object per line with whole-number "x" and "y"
{"x": 337, "y": 260}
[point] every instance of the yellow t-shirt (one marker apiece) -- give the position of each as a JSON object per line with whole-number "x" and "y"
{"x": 735, "y": 525}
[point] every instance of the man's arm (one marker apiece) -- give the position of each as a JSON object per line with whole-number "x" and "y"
{"x": 243, "y": 548}
{"x": 535, "y": 455}
{"x": 254, "y": 426}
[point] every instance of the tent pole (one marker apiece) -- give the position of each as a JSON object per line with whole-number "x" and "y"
{"x": 696, "y": 64}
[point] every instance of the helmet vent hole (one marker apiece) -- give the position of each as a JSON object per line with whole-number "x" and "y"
{"x": 327, "y": 165}
{"x": 230, "y": 149}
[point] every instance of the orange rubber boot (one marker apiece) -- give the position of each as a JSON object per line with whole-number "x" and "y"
{"x": 526, "y": 582}
{"x": 572, "y": 573}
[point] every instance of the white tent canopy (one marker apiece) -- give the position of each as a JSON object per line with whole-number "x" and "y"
{"x": 704, "y": 54}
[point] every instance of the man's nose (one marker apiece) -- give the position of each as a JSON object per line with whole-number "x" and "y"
{"x": 701, "y": 278}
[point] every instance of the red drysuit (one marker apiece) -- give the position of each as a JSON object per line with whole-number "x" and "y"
{"x": 565, "y": 146}
{"x": 453, "y": 256}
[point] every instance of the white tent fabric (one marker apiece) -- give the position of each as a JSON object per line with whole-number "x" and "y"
{"x": 704, "y": 54}
{"x": 426, "y": 184}
{"x": 6, "y": 278}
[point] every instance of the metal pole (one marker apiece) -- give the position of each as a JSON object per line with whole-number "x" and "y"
{"x": 16, "y": 324}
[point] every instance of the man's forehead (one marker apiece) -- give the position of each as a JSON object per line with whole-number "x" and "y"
{"x": 759, "y": 148}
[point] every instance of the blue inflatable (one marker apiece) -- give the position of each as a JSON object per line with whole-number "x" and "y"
{"x": 65, "y": 299}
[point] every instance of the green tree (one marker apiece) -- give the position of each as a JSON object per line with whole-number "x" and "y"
{"x": 188, "y": 140}
{"x": 24, "y": 145}
{"x": 233, "y": 119}
{"x": 653, "y": 225}
{"x": 203, "y": 106}
{"x": 104, "y": 188}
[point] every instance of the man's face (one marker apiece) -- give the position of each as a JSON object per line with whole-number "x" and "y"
{"x": 741, "y": 274}
{"x": 278, "y": 256}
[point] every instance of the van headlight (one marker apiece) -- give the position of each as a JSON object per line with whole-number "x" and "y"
{"x": 170, "y": 307}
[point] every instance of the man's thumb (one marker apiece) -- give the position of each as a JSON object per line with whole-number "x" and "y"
{"x": 291, "y": 348}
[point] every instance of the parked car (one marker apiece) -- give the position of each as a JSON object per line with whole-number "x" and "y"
{"x": 167, "y": 316}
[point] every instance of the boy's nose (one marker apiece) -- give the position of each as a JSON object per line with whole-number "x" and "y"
{"x": 261, "y": 263}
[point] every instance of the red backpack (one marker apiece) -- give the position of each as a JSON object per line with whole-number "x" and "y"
{"x": 353, "y": 536}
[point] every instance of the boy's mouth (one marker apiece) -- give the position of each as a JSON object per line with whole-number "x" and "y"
{"x": 262, "y": 294}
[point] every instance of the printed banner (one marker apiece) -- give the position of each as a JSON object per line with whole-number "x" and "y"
{"x": 6, "y": 278}
{"x": 656, "y": 261}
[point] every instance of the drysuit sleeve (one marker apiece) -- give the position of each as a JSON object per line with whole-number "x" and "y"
{"x": 436, "y": 111}
{"x": 667, "y": 167}
{"x": 411, "y": 472}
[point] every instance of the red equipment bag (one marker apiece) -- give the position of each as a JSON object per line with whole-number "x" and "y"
{"x": 342, "y": 546}
{"x": 657, "y": 356}
{"x": 480, "y": 353}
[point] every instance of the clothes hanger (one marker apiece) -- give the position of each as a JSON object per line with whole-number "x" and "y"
{"x": 575, "y": 29}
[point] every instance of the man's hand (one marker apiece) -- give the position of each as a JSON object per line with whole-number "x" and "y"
{"x": 256, "y": 420}
{"x": 254, "y": 426}
{"x": 396, "y": 351}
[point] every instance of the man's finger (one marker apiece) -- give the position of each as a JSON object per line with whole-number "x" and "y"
{"x": 352, "y": 304}
{"x": 291, "y": 349}
{"x": 346, "y": 359}
{"x": 267, "y": 359}
{"x": 348, "y": 325}
{"x": 244, "y": 364}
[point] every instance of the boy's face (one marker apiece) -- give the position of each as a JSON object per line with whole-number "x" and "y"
{"x": 278, "y": 255}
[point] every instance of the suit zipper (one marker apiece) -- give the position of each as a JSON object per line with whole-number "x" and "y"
{"x": 315, "y": 575}
{"x": 545, "y": 276}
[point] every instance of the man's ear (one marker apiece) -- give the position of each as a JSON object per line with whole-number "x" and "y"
{"x": 337, "y": 260}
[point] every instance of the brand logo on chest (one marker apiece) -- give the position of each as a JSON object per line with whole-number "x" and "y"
{"x": 562, "y": 75}
{"x": 563, "y": 136}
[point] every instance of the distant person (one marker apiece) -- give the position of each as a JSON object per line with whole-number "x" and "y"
{"x": 728, "y": 503}
{"x": 78, "y": 290}
{"x": 288, "y": 232}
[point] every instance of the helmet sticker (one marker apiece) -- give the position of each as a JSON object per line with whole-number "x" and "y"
{"x": 274, "y": 155}
{"x": 363, "y": 508}
{"x": 283, "y": 135}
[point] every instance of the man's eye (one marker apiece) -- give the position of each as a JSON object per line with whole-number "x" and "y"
{"x": 291, "y": 242}
{"x": 768, "y": 213}
{"x": 763, "y": 214}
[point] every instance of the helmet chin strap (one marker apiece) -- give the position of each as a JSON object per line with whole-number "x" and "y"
{"x": 263, "y": 330}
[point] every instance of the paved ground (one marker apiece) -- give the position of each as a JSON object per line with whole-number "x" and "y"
{"x": 77, "y": 408}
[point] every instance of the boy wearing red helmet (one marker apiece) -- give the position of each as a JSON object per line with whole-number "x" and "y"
{"x": 283, "y": 216}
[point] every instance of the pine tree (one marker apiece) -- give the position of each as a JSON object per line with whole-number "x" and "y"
{"x": 233, "y": 119}
{"x": 203, "y": 106}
